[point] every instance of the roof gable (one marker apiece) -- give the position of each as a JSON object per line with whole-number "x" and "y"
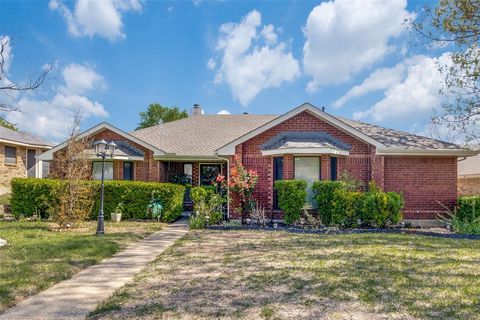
{"x": 48, "y": 155}
{"x": 229, "y": 149}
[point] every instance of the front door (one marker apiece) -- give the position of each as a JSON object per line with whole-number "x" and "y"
{"x": 277, "y": 175}
{"x": 31, "y": 163}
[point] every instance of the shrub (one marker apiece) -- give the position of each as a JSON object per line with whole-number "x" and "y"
{"x": 323, "y": 196}
{"x": 464, "y": 222}
{"x": 468, "y": 208}
{"x": 31, "y": 196}
{"x": 345, "y": 208}
{"x": 381, "y": 208}
{"x": 207, "y": 206}
{"x": 291, "y": 198}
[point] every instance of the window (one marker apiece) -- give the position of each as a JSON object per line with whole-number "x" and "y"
{"x": 10, "y": 155}
{"x": 308, "y": 169}
{"x": 128, "y": 171}
{"x": 208, "y": 173}
{"x": 188, "y": 169}
{"x": 97, "y": 170}
{"x": 333, "y": 168}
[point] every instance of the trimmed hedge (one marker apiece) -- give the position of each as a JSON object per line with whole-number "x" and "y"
{"x": 291, "y": 198}
{"x": 468, "y": 208}
{"x": 30, "y": 196}
{"x": 323, "y": 196}
{"x": 337, "y": 206}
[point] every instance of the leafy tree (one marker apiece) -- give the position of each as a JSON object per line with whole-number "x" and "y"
{"x": 8, "y": 125}
{"x": 455, "y": 24}
{"x": 156, "y": 114}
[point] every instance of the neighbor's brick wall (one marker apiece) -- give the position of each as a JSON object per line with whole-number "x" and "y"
{"x": 423, "y": 181}
{"x": 7, "y": 171}
{"x": 468, "y": 186}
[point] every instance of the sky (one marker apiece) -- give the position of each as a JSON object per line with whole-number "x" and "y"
{"x": 112, "y": 58}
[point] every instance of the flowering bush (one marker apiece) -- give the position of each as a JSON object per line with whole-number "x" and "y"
{"x": 242, "y": 183}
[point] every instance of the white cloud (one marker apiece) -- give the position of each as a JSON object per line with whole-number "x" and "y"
{"x": 223, "y": 112}
{"x": 250, "y": 65}
{"x": 344, "y": 37}
{"x": 80, "y": 78}
{"x": 211, "y": 64}
{"x": 416, "y": 96}
{"x": 102, "y": 17}
{"x": 380, "y": 79}
{"x": 52, "y": 118}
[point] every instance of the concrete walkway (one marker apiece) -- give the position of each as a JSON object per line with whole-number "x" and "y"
{"x": 77, "y": 297}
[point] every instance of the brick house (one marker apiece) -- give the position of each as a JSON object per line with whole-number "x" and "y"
{"x": 304, "y": 143}
{"x": 469, "y": 175}
{"x": 18, "y": 155}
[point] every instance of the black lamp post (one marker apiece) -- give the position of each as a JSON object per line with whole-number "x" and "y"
{"x": 103, "y": 150}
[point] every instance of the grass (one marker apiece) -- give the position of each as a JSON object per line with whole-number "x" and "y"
{"x": 36, "y": 256}
{"x": 277, "y": 275}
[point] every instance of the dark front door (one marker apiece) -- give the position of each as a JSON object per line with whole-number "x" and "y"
{"x": 128, "y": 171}
{"x": 31, "y": 163}
{"x": 277, "y": 175}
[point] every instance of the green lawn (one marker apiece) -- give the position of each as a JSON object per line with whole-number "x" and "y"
{"x": 37, "y": 257}
{"x": 277, "y": 275}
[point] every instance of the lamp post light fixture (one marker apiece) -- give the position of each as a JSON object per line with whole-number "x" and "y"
{"x": 103, "y": 150}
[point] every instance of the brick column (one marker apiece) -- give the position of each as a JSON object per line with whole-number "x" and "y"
{"x": 288, "y": 169}
{"x": 378, "y": 170}
{"x": 325, "y": 167}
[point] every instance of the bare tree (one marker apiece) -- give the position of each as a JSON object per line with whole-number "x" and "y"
{"x": 73, "y": 166}
{"x": 9, "y": 87}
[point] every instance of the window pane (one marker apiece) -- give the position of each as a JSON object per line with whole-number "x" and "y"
{"x": 208, "y": 173}
{"x": 97, "y": 171}
{"x": 307, "y": 168}
{"x": 333, "y": 168}
{"x": 10, "y": 155}
{"x": 128, "y": 171}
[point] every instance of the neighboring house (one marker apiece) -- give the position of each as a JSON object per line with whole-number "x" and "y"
{"x": 18, "y": 156}
{"x": 304, "y": 143}
{"x": 469, "y": 175}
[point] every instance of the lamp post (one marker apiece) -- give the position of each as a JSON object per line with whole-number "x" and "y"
{"x": 103, "y": 150}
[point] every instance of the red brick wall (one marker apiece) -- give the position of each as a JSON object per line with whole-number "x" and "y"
{"x": 423, "y": 181}
{"x": 252, "y": 158}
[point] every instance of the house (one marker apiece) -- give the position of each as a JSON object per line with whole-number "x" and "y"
{"x": 469, "y": 175}
{"x": 18, "y": 155}
{"x": 304, "y": 143}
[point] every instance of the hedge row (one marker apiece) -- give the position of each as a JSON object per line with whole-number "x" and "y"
{"x": 337, "y": 206}
{"x": 468, "y": 208}
{"x": 30, "y": 196}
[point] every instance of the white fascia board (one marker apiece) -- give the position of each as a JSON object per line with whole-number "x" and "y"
{"x": 48, "y": 155}
{"x": 431, "y": 152}
{"x": 305, "y": 151}
{"x": 229, "y": 149}
{"x": 173, "y": 157}
{"x": 28, "y": 145}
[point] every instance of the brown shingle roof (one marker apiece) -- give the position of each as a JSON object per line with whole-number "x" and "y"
{"x": 202, "y": 135}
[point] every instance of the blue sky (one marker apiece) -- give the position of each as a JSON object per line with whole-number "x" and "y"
{"x": 113, "y": 58}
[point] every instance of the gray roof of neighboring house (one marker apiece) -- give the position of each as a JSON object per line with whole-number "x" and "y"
{"x": 470, "y": 166}
{"x": 303, "y": 139}
{"x": 22, "y": 137}
{"x": 202, "y": 135}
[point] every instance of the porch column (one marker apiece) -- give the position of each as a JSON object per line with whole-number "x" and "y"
{"x": 325, "y": 167}
{"x": 288, "y": 170}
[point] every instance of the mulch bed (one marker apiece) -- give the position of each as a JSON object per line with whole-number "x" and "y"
{"x": 349, "y": 231}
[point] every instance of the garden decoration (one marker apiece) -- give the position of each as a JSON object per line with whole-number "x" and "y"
{"x": 155, "y": 208}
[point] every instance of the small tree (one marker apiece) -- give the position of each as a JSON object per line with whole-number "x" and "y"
{"x": 242, "y": 183}
{"x": 72, "y": 164}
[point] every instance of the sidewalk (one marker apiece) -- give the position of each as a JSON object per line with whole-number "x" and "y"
{"x": 77, "y": 297}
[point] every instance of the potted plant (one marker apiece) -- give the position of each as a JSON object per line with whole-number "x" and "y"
{"x": 117, "y": 213}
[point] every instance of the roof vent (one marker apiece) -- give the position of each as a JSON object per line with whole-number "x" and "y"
{"x": 245, "y": 112}
{"x": 197, "y": 110}
{"x": 323, "y": 109}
